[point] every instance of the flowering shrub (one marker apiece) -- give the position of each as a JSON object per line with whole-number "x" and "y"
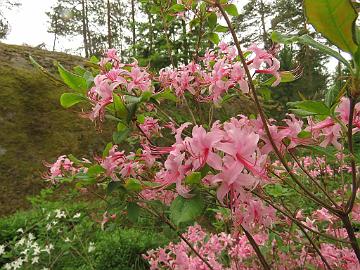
{"x": 274, "y": 190}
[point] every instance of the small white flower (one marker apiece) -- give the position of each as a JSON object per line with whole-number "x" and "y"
{"x": 60, "y": 214}
{"x": 67, "y": 240}
{"x": 7, "y": 266}
{"x": 20, "y": 242}
{"x": 77, "y": 215}
{"x": 48, "y": 227}
{"x": 20, "y": 230}
{"x": 31, "y": 236}
{"x": 2, "y": 249}
{"x": 45, "y": 268}
{"x": 91, "y": 247}
{"x": 48, "y": 248}
{"x": 37, "y": 251}
{"x": 35, "y": 260}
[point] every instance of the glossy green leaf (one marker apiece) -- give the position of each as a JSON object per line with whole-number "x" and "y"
{"x": 286, "y": 76}
{"x": 212, "y": 20}
{"x": 75, "y": 82}
{"x": 178, "y": 8}
{"x": 193, "y": 179}
{"x": 95, "y": 170}
{"x": 133, "y": 184}
{"x": 120, "y": 107}
{"x": 307, "y": 40}
{"x": 220, "y": 28}
{"x": 145, "y": 96}
{"x": 68, "y": 100}
{"x": 120, "y": 136}
{"x": 213, "y": 37}
{"x": 309, "y": 107}
{"x": 107, "y": 150}
{"x": 231, "y": 10}
{"x": 165, "y": 95}
{"x": 186, "y": 210}
{"x": 335, "y": 20}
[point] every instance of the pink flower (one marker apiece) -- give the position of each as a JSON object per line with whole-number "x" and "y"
{"x": 150, "y": 126}
{"x": 201, "y": 145}
{"x": 140, "y": 79}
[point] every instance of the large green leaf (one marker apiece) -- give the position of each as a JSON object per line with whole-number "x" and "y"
{"x": 186, "y": 210}
{"x": 335, "y": 20}
{"x": 309, "y": 107}
{"x": 70, "y": 99}
{"x": 72, "y": 80}
{"x": 307, "y": 40}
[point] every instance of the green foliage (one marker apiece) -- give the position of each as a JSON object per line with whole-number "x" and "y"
{"x": 335, "y": 20}
{"x": 116, "y": 247}
{"x": 309, "y": 107}
{"x": 68, "y": 100}
{"x": 75, "y": 82}
{"x": 307, "y": 40}
{"x": 184, "y": 210}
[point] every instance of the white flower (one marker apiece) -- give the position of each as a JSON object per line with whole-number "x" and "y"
{"x": 91, "y": 247}
{"x": 67, "y": 240}
{"x": 20, "y": 242}
{"x": 7, "y": 266}
{"x": 37, "y": 250}
{"x": 60, "y": 214}
{"x": 45, "y": 268}
{"x": 48, "y": 227}
{"x": 48, "y": 248}
{"x": 17, "y": 263}
{"x": 77, "y": 215}
{"x": 35, "y": 260}
{"x": 20, "y": 230}
{"x": 31, "y": 236}
{"x": 2, "y": 249}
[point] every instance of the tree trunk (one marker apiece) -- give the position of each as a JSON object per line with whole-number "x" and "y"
{"x": 109, "y": 24}
{"x": 88, "y": 34}
{"x": 185, "y": 43}
{"x": 133, "y": 26}
{"x": 84, "y": 31}
{"x": 263, "y": 25}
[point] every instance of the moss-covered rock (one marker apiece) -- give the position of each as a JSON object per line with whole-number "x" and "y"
{"x": 33, "y": 126}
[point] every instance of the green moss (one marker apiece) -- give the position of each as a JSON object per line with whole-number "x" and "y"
{"x": 34, "y": 127}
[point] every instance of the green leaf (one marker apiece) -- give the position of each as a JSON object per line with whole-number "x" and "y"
{"x": 165, "y": 95}
{"x": 307, "y": 40}
{"x": 309, "y": 107}
{"x": 120, "y": 107}
{"x": 335, "y": 20}
{"x": 95, "y": 170}
{"x": 178, "y": 8}
{"x": 107, "y": 150}
{"x": 286, "y": 76}
{"x": 213, "y": 37}
{"x": 330, "y": 96}
{"x": 68, "y": 100}
{"x": 212, "y": 20}
{"x": 145, "y": 96}
{"x": 193, "y": 178}
{"x": 113, "y": 185}
{"x": 120, "y": 136}
{"x": 220, "y": 28}
{"x": 133, "y": 184}
{"x": 231, "y": 10}
{"x": 304, "y": 134}
{"x": 133, "y": 211}
{"x": 186, "y": 210}
{"x": 72, "y": 80}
